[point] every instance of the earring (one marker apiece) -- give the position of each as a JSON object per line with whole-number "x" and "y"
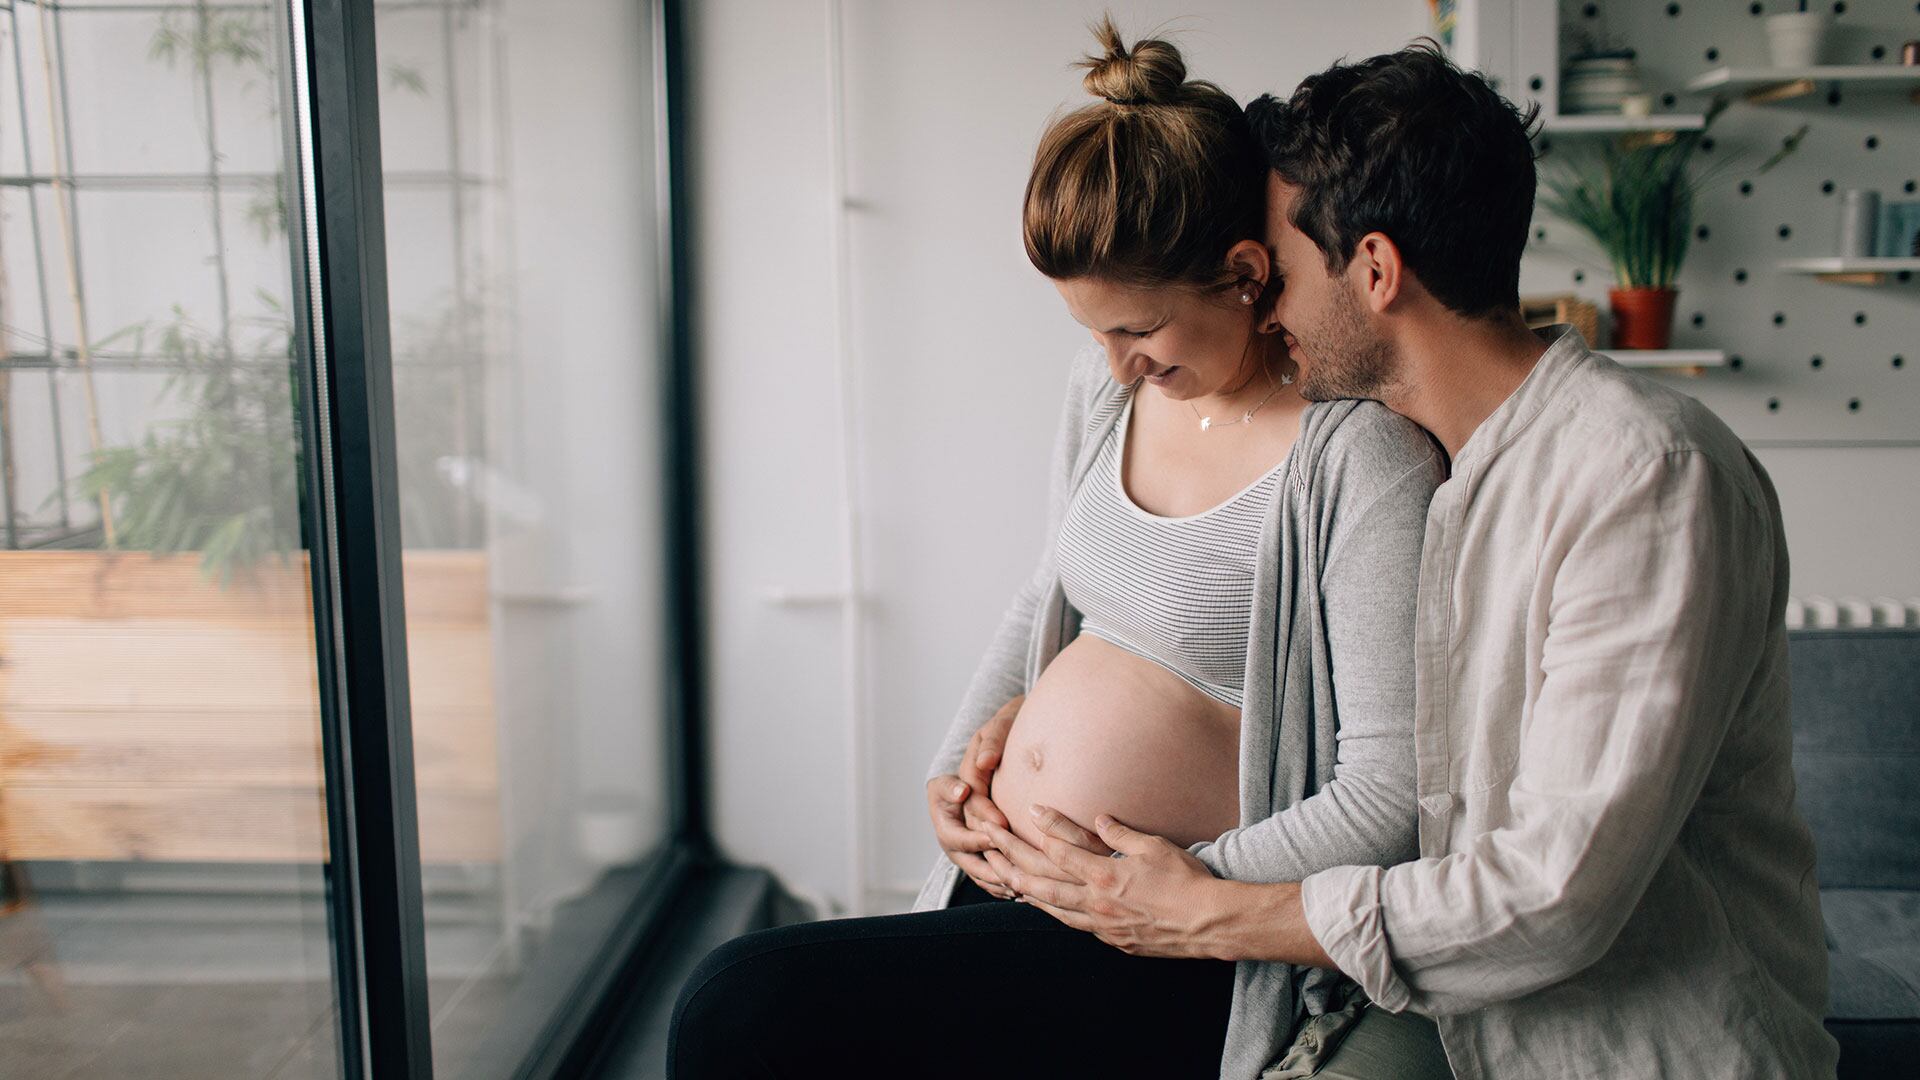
{"x": 1246, "y": 298}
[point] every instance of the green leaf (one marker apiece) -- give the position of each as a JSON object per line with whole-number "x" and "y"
{"x": 1787, "y": 147}
{"x": 407, "y": 77}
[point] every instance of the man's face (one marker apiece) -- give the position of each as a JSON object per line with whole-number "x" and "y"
{"x": 1337, "y": 342}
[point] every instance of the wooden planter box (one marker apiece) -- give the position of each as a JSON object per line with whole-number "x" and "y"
{"x": 149, "y": 714}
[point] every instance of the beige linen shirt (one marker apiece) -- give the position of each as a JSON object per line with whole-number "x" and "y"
{"x": 1613, "y": 879}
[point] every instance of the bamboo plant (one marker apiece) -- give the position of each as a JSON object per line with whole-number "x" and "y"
{"x": 223, "y": 479}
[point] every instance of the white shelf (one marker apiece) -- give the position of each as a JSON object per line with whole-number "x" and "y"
{"x": 1843, "y": 264}
{"x": 1667, "y": 358}
{"x": 1616, "y": 123}
{"x": 1763, "y": 80}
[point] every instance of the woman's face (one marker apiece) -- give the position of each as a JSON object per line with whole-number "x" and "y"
{"x": 1184, "y": 343}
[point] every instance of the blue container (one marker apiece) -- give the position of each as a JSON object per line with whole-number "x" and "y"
{"x": 1899, "y": 231}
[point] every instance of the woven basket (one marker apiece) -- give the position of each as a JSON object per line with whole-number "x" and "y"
{"x": 1565, "y": 308}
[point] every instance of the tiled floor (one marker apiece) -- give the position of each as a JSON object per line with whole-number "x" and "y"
{"x": 216, "y": 985}
{"x": 266, "y": 1030}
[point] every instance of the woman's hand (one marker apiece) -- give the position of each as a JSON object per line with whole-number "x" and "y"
{"x": 978, "y": 765}
{"x": 960, "y": 806}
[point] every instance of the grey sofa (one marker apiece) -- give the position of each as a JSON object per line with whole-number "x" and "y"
{"x": 1856, "y": 752}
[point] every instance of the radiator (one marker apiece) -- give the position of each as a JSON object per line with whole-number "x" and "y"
{"x": 1849, "y": 612}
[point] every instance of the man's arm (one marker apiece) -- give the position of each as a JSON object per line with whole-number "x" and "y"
{"x": 1660, "y": 607}
{"x": 1263, "y": 922}
{"x": 1159, "y": 900}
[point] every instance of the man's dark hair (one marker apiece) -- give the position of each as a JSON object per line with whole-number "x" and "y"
{"x": 1409, "y": 145}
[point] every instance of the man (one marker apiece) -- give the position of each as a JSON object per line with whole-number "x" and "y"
{"x": 1614, "y": 881}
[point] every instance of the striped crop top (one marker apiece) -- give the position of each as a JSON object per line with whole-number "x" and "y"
{"x": 1175, "y": 590}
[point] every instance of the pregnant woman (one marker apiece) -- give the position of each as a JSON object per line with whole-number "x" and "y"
{"x": 1216, "y": 647}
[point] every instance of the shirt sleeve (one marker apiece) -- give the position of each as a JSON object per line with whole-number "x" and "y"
{"x": 1002, "y": 672}
{"x": 1659, "y": 608}
{"x": 1365, "y": 813}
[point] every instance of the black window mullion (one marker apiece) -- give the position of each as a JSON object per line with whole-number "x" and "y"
{"x": 353, "y": 526}
{"x": 680, "y": 438}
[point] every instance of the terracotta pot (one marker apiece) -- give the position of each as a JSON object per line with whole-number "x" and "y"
{"x": 1642, "y": 317}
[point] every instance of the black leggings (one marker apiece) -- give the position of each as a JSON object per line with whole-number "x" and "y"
{"x": 985, "y": 987}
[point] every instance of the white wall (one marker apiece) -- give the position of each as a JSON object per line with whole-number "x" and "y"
{"x": 759, "y": 172}
{"x": 960, "y": 349}
{"x": 1853, "y": 517}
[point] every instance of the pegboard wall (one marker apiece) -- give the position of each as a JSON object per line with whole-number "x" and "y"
{"x": 1810, "y": 362}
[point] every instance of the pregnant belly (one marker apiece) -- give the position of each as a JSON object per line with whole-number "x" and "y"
{"x": 1105, "y": 731}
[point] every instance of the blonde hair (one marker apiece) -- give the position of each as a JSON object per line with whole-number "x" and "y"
{"x": 1152, "y": 184}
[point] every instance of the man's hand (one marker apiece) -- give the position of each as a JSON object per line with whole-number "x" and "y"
{"x": 1156, "y": 901}
{"x": 960, "y": 806}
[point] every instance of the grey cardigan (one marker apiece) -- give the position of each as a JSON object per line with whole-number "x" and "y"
{"x": 1326, "y": 769}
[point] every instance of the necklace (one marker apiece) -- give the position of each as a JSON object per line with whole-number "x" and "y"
{"x": 1207, "y": 423}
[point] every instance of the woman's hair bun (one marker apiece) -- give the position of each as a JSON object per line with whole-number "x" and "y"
{"x": 1117, "y": 184}
{"x": 1151, "y": 73}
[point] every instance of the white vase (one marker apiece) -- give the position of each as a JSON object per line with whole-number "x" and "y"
{"x": 609, "y": 837}
{"x": 1798, "y": 39}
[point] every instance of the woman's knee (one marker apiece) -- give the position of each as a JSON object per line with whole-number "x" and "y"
{"x": 731, "y": 1003}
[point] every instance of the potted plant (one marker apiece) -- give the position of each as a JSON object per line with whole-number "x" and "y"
{"x": 1635, "y": 199}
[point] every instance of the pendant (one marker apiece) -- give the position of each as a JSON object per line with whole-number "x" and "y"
{"x": 1206, "y": 422}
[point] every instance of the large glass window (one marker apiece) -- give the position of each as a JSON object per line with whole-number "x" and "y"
{"x": 167, "y": 861}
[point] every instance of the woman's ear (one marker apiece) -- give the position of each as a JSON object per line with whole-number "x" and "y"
{"x": 1249, "y": 265}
